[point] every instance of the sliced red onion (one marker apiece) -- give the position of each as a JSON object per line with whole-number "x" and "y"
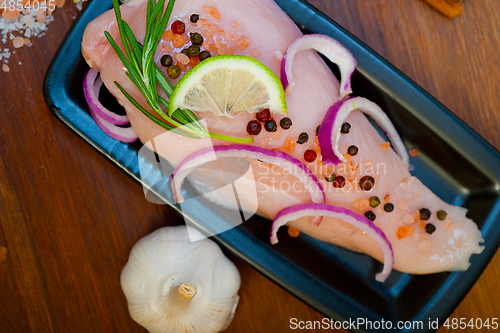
{"x": 320, "y": 209}
{"x": 91, "y": 85}
{"x": 276, "y": 157}
{"x": 329, "y": 131}
{"x": 123, "y": 134}
{"x": 332, "y": 49}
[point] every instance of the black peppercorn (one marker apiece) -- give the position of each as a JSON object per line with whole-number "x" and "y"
{"x": 185, "y": 52}
{"x": 173, "y": 72}
{"x": 388, "y": 207}
{"x": 204, "y": 55}
{"x": 430, "y": 228}
{"x": 303, "y": 137}
{"x": 193, "y": 51}
{"x": 196, "y": 38}
{"x": 352, "y": 150}
{"x": 285, "y": 123}
{"x": 270, "y": 126}
{"x": 374, "y": 201}
{"x": 366, "y": 183}
{"x": 331, "y": 178}
{"x": 317, "y": 130}
{"x": 441, "y": 215}
{"x": 425, "y": 214}
{"x": 194, "y": 18}
{"x": 370, "y": 215}
{"x": 345, "y": 128}
{"x": 166, "y": 61}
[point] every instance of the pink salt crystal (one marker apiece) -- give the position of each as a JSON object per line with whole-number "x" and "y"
{"x": 27, "y": 41}
{"x": 447, "y": 225}
{"x": 18, "y": 42}
{"x": 5, "y": 68}
{"x": 165, "y": 48}
{"x": 425, "y": 246}
{"x": 408, "y": 219}
{"x": 41, "y": 18}
{"x": 403, "y": 205}
{"x": 255, "y": 53}
{"x": 182, "y": 58}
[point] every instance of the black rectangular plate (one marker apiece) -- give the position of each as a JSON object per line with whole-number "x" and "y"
{"x": 454, "y": 162}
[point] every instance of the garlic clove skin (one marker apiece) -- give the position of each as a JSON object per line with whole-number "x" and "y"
{"x": 175, "y": 285}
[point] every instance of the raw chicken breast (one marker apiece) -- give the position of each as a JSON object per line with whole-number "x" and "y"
{"x": 259, "y": 28}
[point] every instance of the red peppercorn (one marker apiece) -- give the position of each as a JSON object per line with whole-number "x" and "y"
{"x": 338, "y": 182}
{"x": 178, "y": 27}
{"x": 310, "y": 155}
{"x": 263, "y": 116}
{"x": 254, "y": 127}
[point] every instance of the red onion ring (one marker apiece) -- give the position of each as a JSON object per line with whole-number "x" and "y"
{"x": 329, "y": 131}
{"x": 331, "y": 48}
{"x": 359, "y": 221}
{"x": 123, "y": 134}
{"x": 91, "y": 85}
{"x": 276, "y": 157}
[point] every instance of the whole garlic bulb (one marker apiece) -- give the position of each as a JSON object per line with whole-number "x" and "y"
{"x": 175, "y": 285}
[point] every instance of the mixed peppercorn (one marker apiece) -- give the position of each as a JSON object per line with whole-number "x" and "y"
{"x": 264, "y": 116}
{"x": 193, "y": 51}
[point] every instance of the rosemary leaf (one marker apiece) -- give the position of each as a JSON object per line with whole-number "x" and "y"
{"x": 146, "y": 76}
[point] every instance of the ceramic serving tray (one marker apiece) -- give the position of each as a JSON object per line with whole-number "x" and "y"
{"x": 454, "y": 162}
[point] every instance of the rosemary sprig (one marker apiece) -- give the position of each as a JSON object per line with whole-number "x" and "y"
{"x": 143, "y": 72}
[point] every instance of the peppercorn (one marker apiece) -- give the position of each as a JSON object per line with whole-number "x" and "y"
{"x": 194, "y": 18}
{"x": 204, "y": 55}
{"x": 310, "y": 155}
{"x": 388, "y": 207}
{"x": 285, "y": 123}
{"x": 166, "y": 61}
{"x": 178, "y": 27}
{"x": 352, "y": 150}
{"x": 366, "y": 183}
{"x": 331, "y": 178}
{"x": 425, "y": 214}
{"x": 196, "y": 38}
{"x": 374, "y": 201}
{"x": 303, "y": 137}
{"x": 174, "y": 71}
{"x": 254, "y": 127}
{"x": 263, "y": 115}
{"x": 185, "y": 52}
{"x": 194, "y": 51}
{"x": 345, "y": 128}
{"x": 270, "y": 126}
{"x": 370, "y": 215}
{"x": 339, "y": 182}
{"x": 441, "y": 215}
{"x": 430, "y": 228}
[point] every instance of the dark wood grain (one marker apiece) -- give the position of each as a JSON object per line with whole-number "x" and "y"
{"x": 69, "y": 218}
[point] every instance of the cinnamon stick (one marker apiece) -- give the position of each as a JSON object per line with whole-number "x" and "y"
{"x": 450, "y": 8}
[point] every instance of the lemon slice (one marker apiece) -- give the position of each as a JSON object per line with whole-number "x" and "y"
{"x": 227, "y": 85}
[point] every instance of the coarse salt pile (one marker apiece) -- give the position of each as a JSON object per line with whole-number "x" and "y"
{"x": 19, "y": 27}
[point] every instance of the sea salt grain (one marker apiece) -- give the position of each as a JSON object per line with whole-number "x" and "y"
{"x": 29, "y": 23}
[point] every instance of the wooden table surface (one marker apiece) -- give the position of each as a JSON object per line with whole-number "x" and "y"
{"x": 68, "y": 217}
